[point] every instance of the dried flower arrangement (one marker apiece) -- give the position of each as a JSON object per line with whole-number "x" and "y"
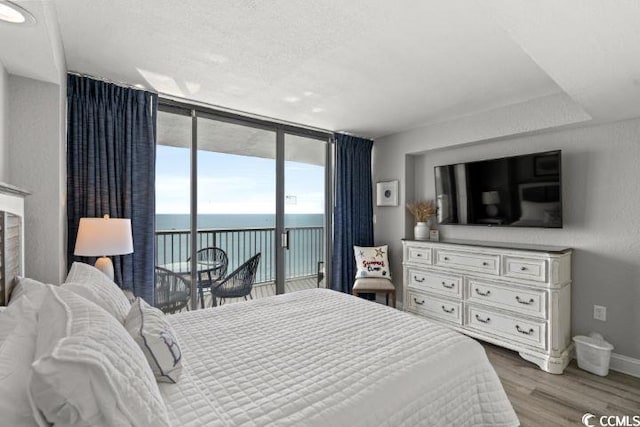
{"x": 422, "y": 211}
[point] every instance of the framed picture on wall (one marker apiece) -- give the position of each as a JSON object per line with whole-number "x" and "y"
{"x": 387, "y": 193}
{"x": 546, "y": 165}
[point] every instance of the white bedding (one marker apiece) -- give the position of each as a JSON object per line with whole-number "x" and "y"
{"x": 323, "y": 358}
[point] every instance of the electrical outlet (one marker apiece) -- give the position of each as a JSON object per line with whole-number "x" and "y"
{"x": 600, "y": 312}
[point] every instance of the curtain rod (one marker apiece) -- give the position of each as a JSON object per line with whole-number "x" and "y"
{"x": 242, "y": 113}
{"x": 114, "y": 82}
{"x": 202, "y": 104}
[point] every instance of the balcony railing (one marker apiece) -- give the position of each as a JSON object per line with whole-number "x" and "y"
{"x": 306, "y": 248}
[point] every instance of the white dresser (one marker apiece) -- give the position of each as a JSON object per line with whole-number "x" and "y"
{"x": 515, "y": 296}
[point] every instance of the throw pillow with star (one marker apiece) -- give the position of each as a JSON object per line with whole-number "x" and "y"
{"x": 372, "y": 261}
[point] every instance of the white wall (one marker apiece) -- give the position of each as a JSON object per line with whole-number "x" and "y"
{"x": 37, "y": 152}
{"x": 4, "y": 123}
{"x": 601, "y": 203}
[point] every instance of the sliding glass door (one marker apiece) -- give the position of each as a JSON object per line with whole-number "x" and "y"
{"x": 236, "y": 186}
{"x": 173, "y": 209}
{"x": 305, "y": 176}
{"x": 248, "y": 197}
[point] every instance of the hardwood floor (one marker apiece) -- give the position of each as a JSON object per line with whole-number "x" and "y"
{"x": 542, "y": 399}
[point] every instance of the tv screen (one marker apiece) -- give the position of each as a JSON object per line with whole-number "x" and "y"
{"x": 518, "y": 191}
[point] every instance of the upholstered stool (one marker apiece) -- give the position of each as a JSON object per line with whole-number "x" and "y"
{"x": 375, "y": 285}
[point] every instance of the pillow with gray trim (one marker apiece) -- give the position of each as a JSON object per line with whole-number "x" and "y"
{"x": 157, "y": 339}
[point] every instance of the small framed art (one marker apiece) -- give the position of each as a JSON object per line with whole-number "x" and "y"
{"x": 387, "y": 193}
{"x": 546, "y": 165}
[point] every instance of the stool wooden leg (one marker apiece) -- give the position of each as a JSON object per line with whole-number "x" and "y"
{"x": 393, "y": 298}
{"x": 386, "y": 295}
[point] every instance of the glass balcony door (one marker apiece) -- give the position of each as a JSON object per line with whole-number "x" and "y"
{"x": 305, "y": 204}
{"x": 229, "y": 188}
{"x": 236, "y": 205}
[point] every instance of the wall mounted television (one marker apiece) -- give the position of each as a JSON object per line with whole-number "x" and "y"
{"x": 517, "y": 191}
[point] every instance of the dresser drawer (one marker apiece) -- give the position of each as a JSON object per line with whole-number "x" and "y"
{"x": 512, "y": 328}
{"x": 444, "y": 284}
{"x": 525, "y": 268}
{"x": 468, "y": 261}
{"x": 419, "y": 254}
{"x": 435, "y": 307}
{"x": 527, "y": 301}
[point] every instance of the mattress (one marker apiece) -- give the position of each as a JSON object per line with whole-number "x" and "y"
{"x": 322, "y": 358}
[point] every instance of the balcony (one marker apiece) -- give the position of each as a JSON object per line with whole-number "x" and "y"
{"x": 306, "y": 250}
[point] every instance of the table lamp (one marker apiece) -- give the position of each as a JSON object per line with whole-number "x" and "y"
{"x": 491, "y": 199}
{"x": 101, "y": 237}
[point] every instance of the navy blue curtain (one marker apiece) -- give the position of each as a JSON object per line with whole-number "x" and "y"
{"x": 353, "y": 213}
{"x": 111, "y": 139}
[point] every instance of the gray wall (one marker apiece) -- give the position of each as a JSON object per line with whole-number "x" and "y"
{"x": 4, "y": 123}
{"x": 601, "y": 203}
{"x": 37, "y": 152}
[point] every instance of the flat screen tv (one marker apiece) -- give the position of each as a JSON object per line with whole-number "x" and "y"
{"x": 518, "y": 191}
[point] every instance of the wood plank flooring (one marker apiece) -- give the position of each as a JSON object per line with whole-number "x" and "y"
{"x": 542, "y": 399}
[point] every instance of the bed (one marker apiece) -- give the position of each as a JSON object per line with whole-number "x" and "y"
{"x": 540, "y": 205}
{"x": 321, "y": 358}
{"x": 309, "y": 358}
{"x": 71, "y": 356}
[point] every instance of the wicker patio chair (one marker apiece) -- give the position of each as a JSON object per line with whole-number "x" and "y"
{"x": 172, "y": 291}
{"x": 237, "y": 284}
{"x": 213, "y": 256}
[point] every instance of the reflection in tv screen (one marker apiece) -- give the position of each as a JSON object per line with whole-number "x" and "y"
{"x": 518, "y": 191}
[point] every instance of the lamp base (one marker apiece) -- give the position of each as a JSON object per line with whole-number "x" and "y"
{"x": 105, "y": 265}
{"x": 492, "y": 210}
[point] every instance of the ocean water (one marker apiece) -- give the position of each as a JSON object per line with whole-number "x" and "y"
{"x": 242, "y": 236}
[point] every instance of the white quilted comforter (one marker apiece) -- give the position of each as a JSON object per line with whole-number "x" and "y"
{"x": 322, "y": 358}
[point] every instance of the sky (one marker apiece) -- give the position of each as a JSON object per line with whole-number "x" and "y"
{"x": 232, "y": 184}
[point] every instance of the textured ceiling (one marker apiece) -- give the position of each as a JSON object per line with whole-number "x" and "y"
{"x": 370, "y": 67}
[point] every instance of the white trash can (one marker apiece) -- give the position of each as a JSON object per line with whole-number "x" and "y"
{"x": 593, "y": 353}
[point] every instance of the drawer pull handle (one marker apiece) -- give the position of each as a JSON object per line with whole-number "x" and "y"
{"x": 446, "y": 258}
{"x": 483, "y": 294}
{"x": 481, "y": 320}
{"x": 418, "y": 280}
{"x": 418, "y": 302}
{"x": 451, "y": 286}
{"x": 418, "y": 255}
{"x": 522, "y": 331}
{"x": 523, "y": 268}
{"x": 451, "y": 310}
{"x": 521, "y": 301}
{"x": 485, "y": 263}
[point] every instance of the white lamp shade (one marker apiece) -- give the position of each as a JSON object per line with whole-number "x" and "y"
{"x": 490, "y": 198}
{"x": 104, "y": 236}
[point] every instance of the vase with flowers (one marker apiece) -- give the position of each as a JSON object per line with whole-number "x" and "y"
{"x": 422, "y": 211}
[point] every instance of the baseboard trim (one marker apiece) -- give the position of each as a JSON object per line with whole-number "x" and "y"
{"x": 625, "y": 364}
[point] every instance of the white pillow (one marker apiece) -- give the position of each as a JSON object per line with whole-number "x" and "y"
{"x": 534, "y": 211}
{"x": 92, "y": 284}
{"x": 88, "y": 369}
{"x": 26, "y": 286}
{"x": 18, "y": 331}
{"x": 150, "y": 330}
{"x": 372, "y": 261}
